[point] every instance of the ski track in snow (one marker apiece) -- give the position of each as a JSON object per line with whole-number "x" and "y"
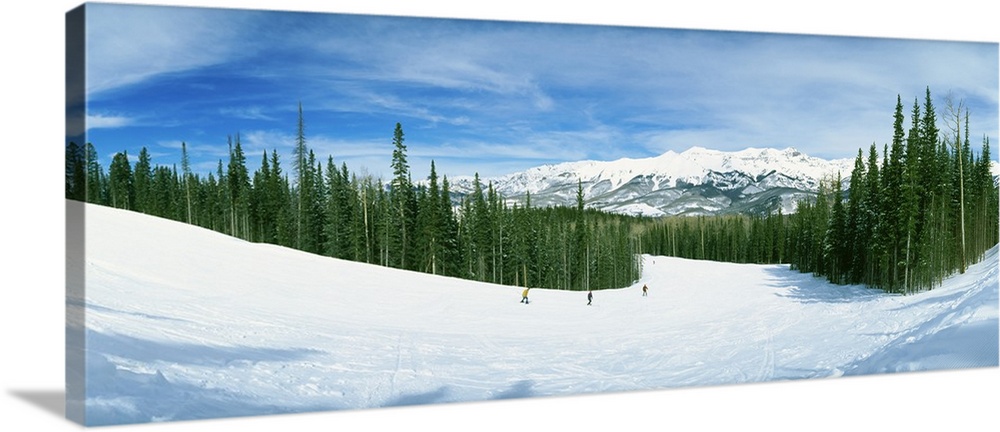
{"x": 183, "y": 323}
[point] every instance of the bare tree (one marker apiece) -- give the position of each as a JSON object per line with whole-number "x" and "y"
{"x": 955, "y": 115}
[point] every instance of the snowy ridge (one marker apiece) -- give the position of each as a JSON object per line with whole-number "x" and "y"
{"x": 696, "y": 181}
{"x": 185, "y": 323}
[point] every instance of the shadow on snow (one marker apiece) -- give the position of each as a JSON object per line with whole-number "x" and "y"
{"x": 520, "y": 389}
{"x": 808, "y": 288}
{"x": 117, "y": 395}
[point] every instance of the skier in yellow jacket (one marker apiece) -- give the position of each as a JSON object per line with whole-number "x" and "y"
{"x": 524, "y": 296}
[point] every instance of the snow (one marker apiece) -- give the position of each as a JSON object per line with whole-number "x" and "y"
{"x": 692, "y": 166}
{"x": 184, "y": 323}
{"x": 641, "y": 179}
{"x": 638, "y": 209}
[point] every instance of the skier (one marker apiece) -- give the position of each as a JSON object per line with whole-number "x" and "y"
{"x": 524, "y": 296}
{"x": 644, "y": 289}
{"x": 590, "y": 297}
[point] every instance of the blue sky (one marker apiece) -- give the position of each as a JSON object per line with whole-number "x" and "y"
{"x": 495, "y": 97}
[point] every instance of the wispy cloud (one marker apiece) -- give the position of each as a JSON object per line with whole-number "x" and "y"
{"x": 99, "y": 121}
{"x": 389, "y": 103}
{"x": 248, "y": 113}
{"x": 509, "y": 95}
{"x": 129, "y": 44}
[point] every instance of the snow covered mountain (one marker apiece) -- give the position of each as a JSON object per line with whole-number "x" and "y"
{"x": 696, "y": 181}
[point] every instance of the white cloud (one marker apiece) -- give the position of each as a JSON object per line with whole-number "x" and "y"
{"x": 475, "y": 92}
{"x": 99, "y": 121}
{"x": 249, "y": 113}
{"x": 127, "y": 44}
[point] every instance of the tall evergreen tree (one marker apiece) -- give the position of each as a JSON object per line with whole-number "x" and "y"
{"x": 895, "y": 206}
{"x": 450, "y": 247}
{"x": 855, "y": 235}
{"x": 431, "y": 222}
{"x": 120, "y": 181}
{"x": 836, "y": 236}
{"x": 335, "y": 225}
{"x": 961, "y": 148}
{"x": 402, "y": 201}
{"x": 142, "y": 178}
{"x": 96, "y": 180}
{"x": 186, "y": 181}
{"x": 76, "y": 172}
{"x": 260, "y": 219}
{"x": 239, "y": 185}
{"x": 300, "y": 166}
{"x": 581, "y": 244}
{"x": 313, "y": 223}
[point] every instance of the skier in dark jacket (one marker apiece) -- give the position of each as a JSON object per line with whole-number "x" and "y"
{"x": 644, "y": 289}
{"x": 590, "y": 297}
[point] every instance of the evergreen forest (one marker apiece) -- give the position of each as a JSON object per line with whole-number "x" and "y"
{"x": 924, "y": 207}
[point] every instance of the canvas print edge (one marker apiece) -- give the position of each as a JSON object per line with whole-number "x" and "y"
{"x": 76, "y": 216}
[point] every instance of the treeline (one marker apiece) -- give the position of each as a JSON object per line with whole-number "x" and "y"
{"x": 322, "y": 208}
{"x": 731, "y": 238}
{"x": 924, "y": 208}
{"x": 929, "y": 209}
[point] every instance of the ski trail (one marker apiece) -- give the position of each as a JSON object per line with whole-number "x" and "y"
{"x": 766, "y": 372}
{"x": 299, "y": 341}
{"x": 399, "y": 364}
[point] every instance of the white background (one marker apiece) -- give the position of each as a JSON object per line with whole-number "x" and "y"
{"x": 32, "y": 274}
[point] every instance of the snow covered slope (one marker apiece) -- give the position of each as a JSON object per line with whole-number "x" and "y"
{"x": 184, "y": 323}
{"x": 696, "y": 181}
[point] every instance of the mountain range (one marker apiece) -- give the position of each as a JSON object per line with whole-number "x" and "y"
{"x": 698, "y": 181}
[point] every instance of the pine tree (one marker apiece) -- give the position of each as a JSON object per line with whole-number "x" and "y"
{"x": 336, "y": 227}
{"x": 916, "y": 197}
{"x": 431, "y": 223}
{"x": 402, "y": 201}
{"x": 142, "y": 178}
{"x": 496, "y": 234}
{"x": 260, "y": 220}
{"x": 276, "y": 204}
{"x": 239, "y": 185}
{"x": 581, "y": 246}
{"x": 220, "y": 211}
{"x": 186, "y": 181}
{"x": 76, "y": 172}
{"x": 836, "y": 237}
{"x": 368, "y": 213}
{"x": 988, "y": 208}
{"x": 120, "y": 181}
{"x": 929, "y": 192}
{"x": 97, "y": 187}
{"x": 478, "y": 237}
{"x": 450, "y": 247}
{"x": 299, "y": 165}
{"x": 313, "y": 223}
{"x": 855, "y": 235}
{"x": 895, "y": 213}
{"x": 163, "y": 193}
{"x": 955, "y": 121}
